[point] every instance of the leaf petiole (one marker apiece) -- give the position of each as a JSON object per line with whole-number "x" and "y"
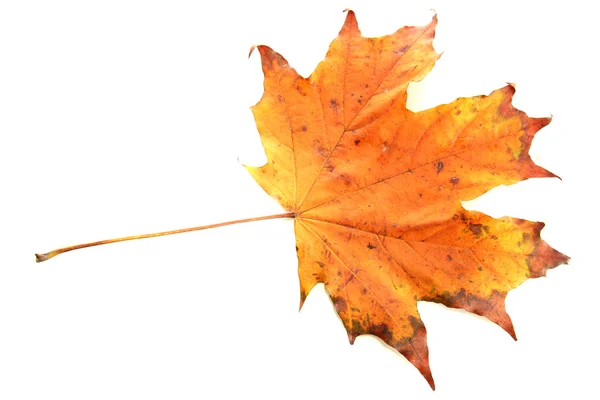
{"x": 49, "y": 255}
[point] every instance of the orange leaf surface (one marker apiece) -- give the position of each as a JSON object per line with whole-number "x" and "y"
{"x": 376, "y": 189}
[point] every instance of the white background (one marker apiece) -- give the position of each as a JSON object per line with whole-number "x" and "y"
{"x": 125, "y": 117}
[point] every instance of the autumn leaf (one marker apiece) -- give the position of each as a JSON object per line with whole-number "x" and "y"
{"x": 376, "y": 189}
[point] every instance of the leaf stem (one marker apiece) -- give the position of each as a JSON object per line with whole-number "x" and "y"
{"x": 49, "y": 255}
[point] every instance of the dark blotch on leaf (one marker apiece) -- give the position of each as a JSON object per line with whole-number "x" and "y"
{"x": 340, "y": 304}
{"x": 440, "y": 167}
{"x": 476, "y": 229}
{"x": 381, "y": 331}
{"x": 333, "y": 104}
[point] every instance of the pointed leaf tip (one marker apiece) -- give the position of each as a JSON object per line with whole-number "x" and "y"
{"x": 350, "y": 24}
{"x": 252, "y": 48}
{"x": 351, "y": 337}
{"x": 434, "y": 19}
{"x": 270, "y": 58}
{"x": 415, "y": 350}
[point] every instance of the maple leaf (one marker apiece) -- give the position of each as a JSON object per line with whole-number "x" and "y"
{"x": 376, "y": 189}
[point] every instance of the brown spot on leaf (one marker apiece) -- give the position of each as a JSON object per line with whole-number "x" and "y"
{"x": 347, "y": 180}
{"x": 333, "y": 104}
{"x": 323, "y": 152}
{"x": 300, "y": 90}
{"x": 382, "y": 331}
{"x": 304, "y": 128}
{"x": 476, "y": 229}
{"x": 401, "y": 50}
{"x": 455, "y": 180}
{"x": 440, "y": 167}
{"x": 340, "y": 304}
